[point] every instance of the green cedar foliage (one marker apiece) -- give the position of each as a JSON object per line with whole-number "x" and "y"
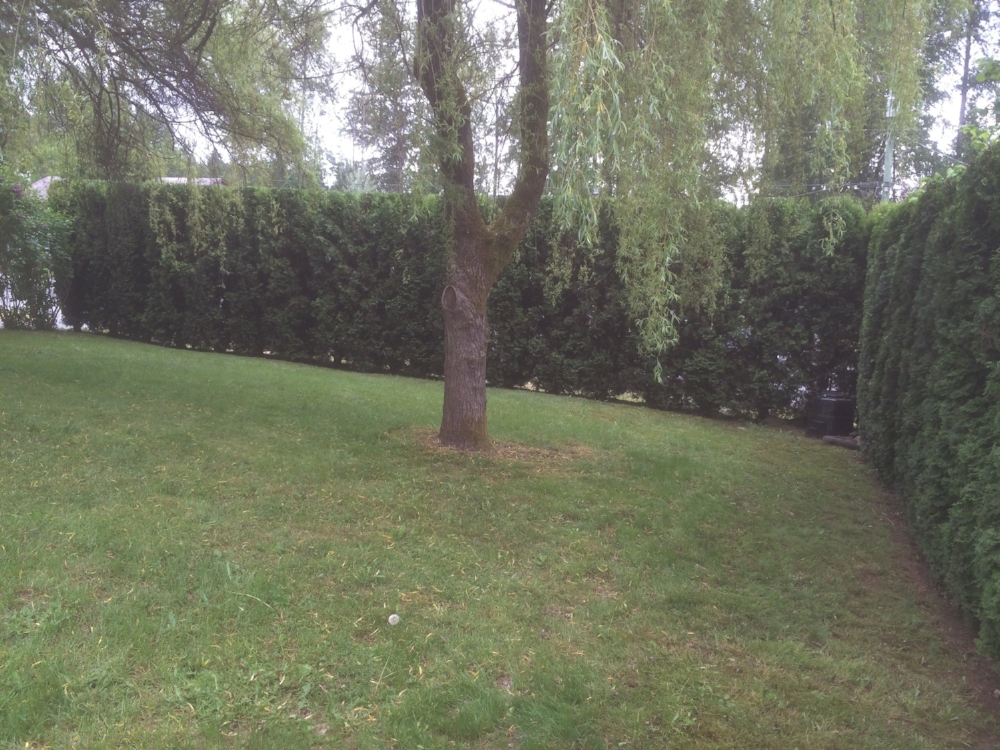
{"x": 31, "y": 249}
{"x": 354, "y": 280}
{"x": 784, "y": 325}
{"x": 929, "y": 385}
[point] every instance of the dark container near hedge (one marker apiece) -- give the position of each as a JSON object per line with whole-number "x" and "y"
{"x": 831, "y": 414}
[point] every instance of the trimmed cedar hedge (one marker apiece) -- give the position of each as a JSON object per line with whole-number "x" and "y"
{"x": 354, "y": 280}
{"x": 929, "y": 388}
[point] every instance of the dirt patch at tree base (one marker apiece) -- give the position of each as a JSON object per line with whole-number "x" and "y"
{"x": 507, "y": 451}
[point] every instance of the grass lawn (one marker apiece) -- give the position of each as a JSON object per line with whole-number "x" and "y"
{"x": 202, "y": 551}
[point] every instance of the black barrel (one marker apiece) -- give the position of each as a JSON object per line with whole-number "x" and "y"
{"x": 831, "y": 414}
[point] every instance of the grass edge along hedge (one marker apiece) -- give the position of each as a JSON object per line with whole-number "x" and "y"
{"x": 354, "y": 280}
{"x": 929, "y": 380}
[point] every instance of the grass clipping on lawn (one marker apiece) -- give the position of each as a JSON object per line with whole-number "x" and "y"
{"x": 202, "y": 551}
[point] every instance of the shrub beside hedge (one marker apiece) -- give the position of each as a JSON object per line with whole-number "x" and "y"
{"x": 929, "y": 389}
{"x": 31, "y": 251}
{"x": 354, "y": 280}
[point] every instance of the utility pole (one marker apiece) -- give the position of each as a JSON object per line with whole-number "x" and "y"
{"x": 887, "y": 165}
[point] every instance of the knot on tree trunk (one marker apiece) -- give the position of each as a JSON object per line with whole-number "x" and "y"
{"x": 449, "y": 298}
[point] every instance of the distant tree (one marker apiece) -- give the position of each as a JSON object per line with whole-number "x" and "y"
{"x": 215, "y": 166}
{"x": 980, "y": 38}
{"x": 350, "y": 177}
{"x": 387, "y": 115}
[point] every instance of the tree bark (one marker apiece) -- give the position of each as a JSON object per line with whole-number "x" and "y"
{"x": 479, "y": 253}
{"x": 466, "y": 335}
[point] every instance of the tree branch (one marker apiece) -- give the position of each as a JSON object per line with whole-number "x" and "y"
{"x": 519, "y": 210}
{"x": 435, "y": 70}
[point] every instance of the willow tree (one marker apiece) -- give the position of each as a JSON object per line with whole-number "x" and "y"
{"x": 115, "y": 76}
{"x": 650, "y": 102}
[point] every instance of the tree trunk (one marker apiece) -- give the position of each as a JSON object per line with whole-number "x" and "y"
{"x": 466, "y": 334}
{"x": 478, "y": 253}
{"x": 972, "y": 23}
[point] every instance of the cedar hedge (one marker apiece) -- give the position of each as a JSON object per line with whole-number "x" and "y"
{"x": 353, "y": 280}
{"x": 929, "y": 385}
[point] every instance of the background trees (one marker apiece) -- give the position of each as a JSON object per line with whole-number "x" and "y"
{"x": 109, "y": 87}
{"x": 83, "y": 81}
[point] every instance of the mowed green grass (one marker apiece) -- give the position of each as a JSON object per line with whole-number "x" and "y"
{"x": 202, "y": 551}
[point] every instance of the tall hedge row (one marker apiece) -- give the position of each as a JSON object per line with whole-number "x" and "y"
{"x": 354, "y": 280}
{"x": 929, "y": 389}
{"x": 300, "y": 275}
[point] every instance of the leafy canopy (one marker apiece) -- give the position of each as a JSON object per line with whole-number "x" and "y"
{"x": 666, "y": 103}
{"x": 117, "y": 83}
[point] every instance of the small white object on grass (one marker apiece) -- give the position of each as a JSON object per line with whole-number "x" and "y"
{"x": 394, "y": 619}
